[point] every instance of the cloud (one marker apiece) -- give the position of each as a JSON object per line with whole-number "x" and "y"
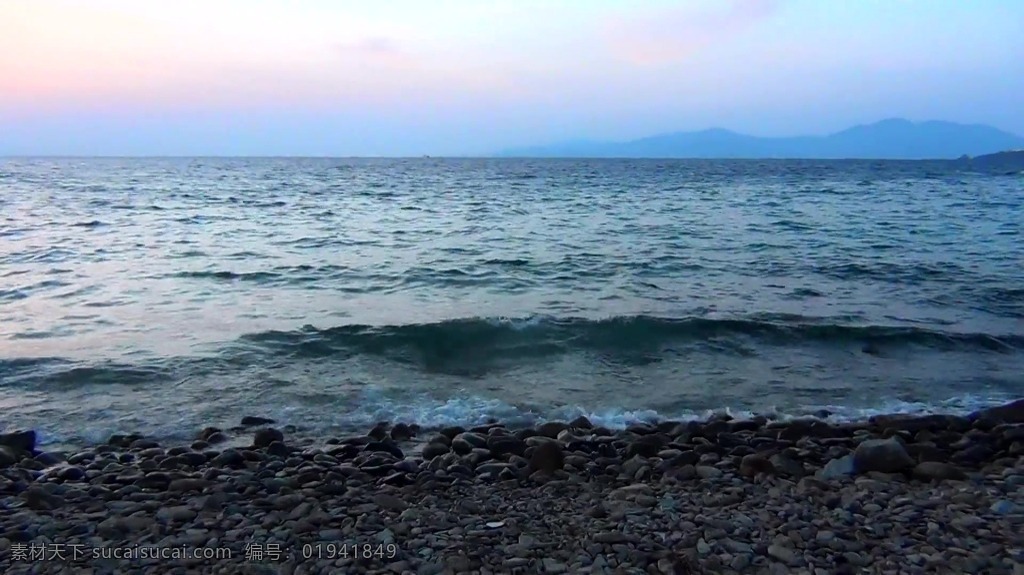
{"x": 379, "y": 49}
{"x": 74, "y": 56}
{"x": 374, "y": 45}
{"x": 666, "y": 36}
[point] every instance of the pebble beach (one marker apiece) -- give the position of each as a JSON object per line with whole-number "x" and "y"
{"x": 894, "y": 494}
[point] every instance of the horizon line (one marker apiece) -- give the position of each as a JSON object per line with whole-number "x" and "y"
{"x": 471, "y": 157}
{"x": 510, "y": 151}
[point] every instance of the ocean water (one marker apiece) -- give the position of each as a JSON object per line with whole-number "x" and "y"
{"x": 164, "y": 295}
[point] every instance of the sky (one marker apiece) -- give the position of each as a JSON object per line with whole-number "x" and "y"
{"x": 470, "y": 77}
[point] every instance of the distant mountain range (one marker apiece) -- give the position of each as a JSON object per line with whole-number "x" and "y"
{"x": 895, "y": 139}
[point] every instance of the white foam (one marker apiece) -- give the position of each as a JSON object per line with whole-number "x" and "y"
{"x": 961, "y": 405}
{"x": 609, "y": 417}
{"x": 518, "y": 324}
{"x": 372, "y": 405}
{"x": 475, "y": 410}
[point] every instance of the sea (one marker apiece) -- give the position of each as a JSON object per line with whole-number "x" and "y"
{"x": 160, "y": 296}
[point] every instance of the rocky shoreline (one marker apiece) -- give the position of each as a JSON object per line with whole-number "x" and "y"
{"x": 893, "y": 494}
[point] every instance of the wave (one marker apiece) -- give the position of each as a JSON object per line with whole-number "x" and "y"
{"x": 228, "y": 275}
{"x": 473, "y": 346}
{"x": 279, "y": 275}
{"x": 89, "y": 224}
{"x": 540, "y": 336}
{"x": 511, "y": 262}
{"x": 47, "y": 255}
{"x": 891, "y": 272}
{"x": 27, "y": 291}
{"x": 580, "y": 269}
{"x": 12, "y": 294}
{"x": 345, "y": 376}
{"x": 57, "y": 373}
{"x": 1005, "y": 295}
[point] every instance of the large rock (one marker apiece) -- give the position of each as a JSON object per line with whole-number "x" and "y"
{"x": 581, "y": 422}
{"x": 547, "y": 457}
{"x": 800, "y": 428}
{"x": 647, "y": 445}
{"x": 839, "y": 468}
{"x": 41, "y": 499}
{"x": 505, "y": 445}
{"x": 401, "y": 432}
{"x": 251, "y": 420}
{"x": 754, "y": 464}
{"x": 787, "y": 466}
{"x": 473, "y": 440}
{"x": 1012, "y": 412}
{"x": 278, "y": 449}
{"x": 938, "y": 471}
{"x": 1012, "y": 433}
{"x": 387, "y": 446}
{"x": 916, "y": 423}
{"x": 206, "y": 432}
{"x": 688, "y": 457}
{"x": 974, "y": 454}
{"x": 884, "y": 455}
{"x": 266, "y": 436}
{"x": 228, "y": 458}
{"x": 21, "y": 440}
{"x": 452, "y": 431}
{"x": 8, "y": 456}
{"x": 551, "y": 429}
{"x": 434, "y": 449}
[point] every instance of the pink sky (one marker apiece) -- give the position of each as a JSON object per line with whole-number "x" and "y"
{"x": 466, "y": 76}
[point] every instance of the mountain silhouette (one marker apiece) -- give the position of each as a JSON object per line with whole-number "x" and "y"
{"x": 896, "y": 139}
{"x": 1009, "y": 162}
